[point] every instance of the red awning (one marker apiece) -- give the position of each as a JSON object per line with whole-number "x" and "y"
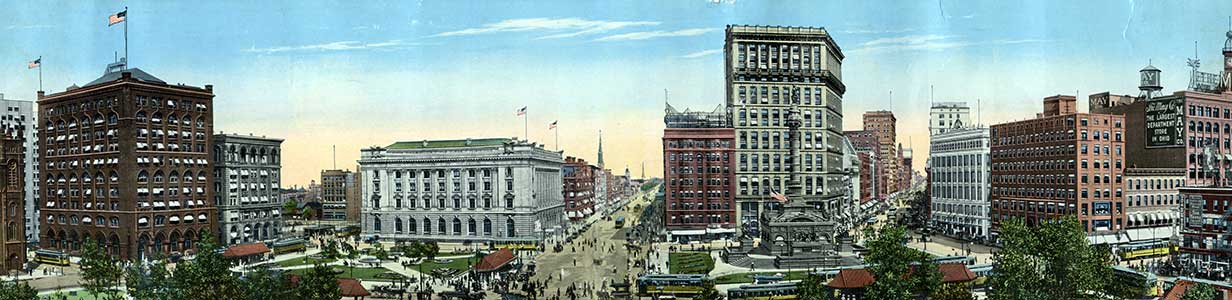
{"x": 851, "y": 279}
{"x": 246, "y": 250}
{"x": 495, "y": 260}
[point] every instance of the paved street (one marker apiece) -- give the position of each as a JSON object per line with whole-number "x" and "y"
{"x": 596, "y": 258}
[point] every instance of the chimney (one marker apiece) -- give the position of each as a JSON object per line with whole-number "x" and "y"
{"x": 209, "y": 88}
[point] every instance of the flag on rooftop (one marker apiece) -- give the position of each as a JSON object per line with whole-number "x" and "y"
{"x": 38, "y": 62}
{"x": 553, "y": 125}
{"x": 117, "y": 18}
{"x": 774, "y": 194}
{"x": 522, "y": 111}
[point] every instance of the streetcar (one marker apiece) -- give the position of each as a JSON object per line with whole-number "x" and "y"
{"x": 620, "y": 222}
{"x": 671, "y": 284}
{"x": 772, "y": 291}
{"x": 517, "y": 245}
{"x": 348, "y": 230}
{"x": 1145, "y": 249}
{"x": 290, "y": 245}
{"x": 51, "y": 257}
{"x": 966, "y": 260}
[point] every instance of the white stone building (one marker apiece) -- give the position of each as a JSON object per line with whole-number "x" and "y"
{"x": 247, "y": 185}
{"x": 485, "y": 190}
{"x": 960, "y": 182}
{"x": 945, "y": 116}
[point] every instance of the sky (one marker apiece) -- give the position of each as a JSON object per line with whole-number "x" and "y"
{"x": 351, "y": 75}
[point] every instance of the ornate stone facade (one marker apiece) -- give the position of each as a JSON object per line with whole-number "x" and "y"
{"x": 249, "y": 170}
{"x": 487, "y": 190}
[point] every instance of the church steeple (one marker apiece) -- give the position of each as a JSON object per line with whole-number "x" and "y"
{"x": 600, "y": 149}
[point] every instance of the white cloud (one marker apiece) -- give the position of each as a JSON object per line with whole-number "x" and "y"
{"x": 334, "y": 46}
{"x": 702, "y": 53}
{"x": 643, "y": 35}
{"x": 573, "y": 26}
{"x": 930, "y": 42}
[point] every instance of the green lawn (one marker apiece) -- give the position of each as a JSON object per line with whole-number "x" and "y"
{"x": 458, "y": 264}
{"x": 304, "y": 261}
{"x": 363, "y": 274}
{"x": 748, "y": 277}
{"x": 689, "y": 263}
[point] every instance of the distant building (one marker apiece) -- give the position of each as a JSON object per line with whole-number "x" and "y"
{"x": 872, "y": 172}
{"x": 699, "y": 176}
{"x": 12, "y": 211}
{"x": 958, "y": 175}
{"x": 336, "y": 187}
{"x": 19, "y": 115}
{"x": 145, "y": 147}
{"x": 945, "y": 116}
{"x": 883, "y": 125}
{"x": 578, "y": 188}
{"x": 249, "y": 206}
{"x": 906, "y": 173}
{"x": 494, "y": 190}
{"x": 764, "y": 66}
{"x": 1194, "y": 139}
{"x": 1060, "y": 164}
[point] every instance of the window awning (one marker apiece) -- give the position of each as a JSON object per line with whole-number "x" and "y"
{"x": 143, "y": 220}
{"x": 110, "y": 132}
{"x": 174, "y": 219}
{"x": 51, "y": 204}
{"x": 86, "y": 220}
{"x": 189, "y": 217}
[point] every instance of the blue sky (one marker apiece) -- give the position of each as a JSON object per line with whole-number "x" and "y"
{"x": 357, "y": 75}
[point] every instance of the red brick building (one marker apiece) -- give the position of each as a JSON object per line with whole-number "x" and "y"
{"x": 579, "y": 188}
{"x": 872, "y": 172}
{"x": 126, "y": 162}
{"x": 883, "y": 126}
{"x": 1058, "y": 165}
{"x": 12, "y": 212}
{"x": 698, "y": 175}
{"x": 905, "y": 171}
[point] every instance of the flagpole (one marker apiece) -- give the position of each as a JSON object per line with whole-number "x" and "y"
{"x": 557, "y": 131}
{"x": 126, "y": 61}
{"x": 525, "y": 126}
{"x": 40, "y": 67}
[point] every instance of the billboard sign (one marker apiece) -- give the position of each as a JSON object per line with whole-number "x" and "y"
{"x": 1165, "y": 124}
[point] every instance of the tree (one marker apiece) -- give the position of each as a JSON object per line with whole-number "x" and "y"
{"x": 430, "y": 249}
{"x": 318, "y": 284}
{"x": 289, "y": 207}
{"x": 1200, "y": 291}
{"x": 813, "y": 287}
{"x": 264, "y": 284}
{"x": 100, "y": 274}
{"x": 900, "y": 272}
{"x": 208, "y": 275}
{"x": 17, "y": 291}
{"x": 1049, "y": 261}
{"x": 306, "y": 213}
{"x": 954, "y": 291}
{"x": 150, "y": 281}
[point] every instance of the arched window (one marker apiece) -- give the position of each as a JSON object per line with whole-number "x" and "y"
{"x": 487, "y": 226}
{"x": 440, "y": 225}
{"x": 412, "y": 226}
{"x": 141, "y": 117}
{"x": 376, "y": 224}
{"x": 470, "y": 227}
{"x": 509, "y": 228}
{"x": 427, "y": 226}
{"x": 457, "y": 226}
{"x": 398, "y": 225}
{"x": 142, "y": 177}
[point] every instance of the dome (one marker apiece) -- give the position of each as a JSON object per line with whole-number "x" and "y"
{"x": 1149, "y": 68}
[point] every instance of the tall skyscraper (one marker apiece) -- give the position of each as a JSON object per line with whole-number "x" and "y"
{"x": 764, "y": 65}
{"x": 698, "y": 175}
{"x": 126, "y": 163}
{"x": 883, "y": 125}
{"x": 19, "y": 114}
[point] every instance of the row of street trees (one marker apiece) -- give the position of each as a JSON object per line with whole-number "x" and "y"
{"x": 205, "y": 276}
{"x": 1051, "y": 260}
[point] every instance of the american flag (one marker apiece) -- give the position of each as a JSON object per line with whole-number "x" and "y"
{"x": 35, "y": 63}
{"x": 777, "y": 196}
{"x": 522, "y": 111}
{"x": 552, "y": 126}
{"x": 117, "y": 18}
